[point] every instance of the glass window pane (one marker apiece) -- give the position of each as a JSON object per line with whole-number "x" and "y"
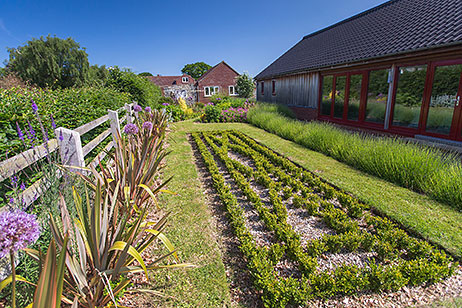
{"x": 340, "y": 85}
{"x": 354, "y": 97}
{"x": 377, "y": 96}
{"x": 444, "y": 93}
{"x": 326, "y": 99}
{"x": 409, "y": 94}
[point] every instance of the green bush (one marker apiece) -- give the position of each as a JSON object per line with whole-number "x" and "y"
{"x": 423, "y": 169}
{"x": 140, "y": 89}
{"x": 70, "y": 108}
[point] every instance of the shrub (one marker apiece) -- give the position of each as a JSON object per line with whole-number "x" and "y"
{"x": 423, "y": 169}
{"x": 140, "y": 89}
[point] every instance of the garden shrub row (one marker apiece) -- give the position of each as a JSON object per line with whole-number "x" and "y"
{"x": 422, "y": 169}
{"x": 400, "y": 259}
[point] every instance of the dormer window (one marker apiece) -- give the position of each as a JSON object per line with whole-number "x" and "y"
{"x": 185, "y": 79}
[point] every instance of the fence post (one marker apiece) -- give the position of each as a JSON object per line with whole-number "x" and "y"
{"x": 115, "y": 126}
{"x": 129, "y": 108}
{"x": 70, "y": 148}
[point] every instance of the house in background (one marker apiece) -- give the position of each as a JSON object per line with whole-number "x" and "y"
{"x": 219, "y": 79}
{"x": 176, "y": 86}
{"x": 395, "y": 68}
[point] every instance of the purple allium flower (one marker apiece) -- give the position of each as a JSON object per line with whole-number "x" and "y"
{"x": 53, "y": 124}
{"x": 131, "y": 129}
{"x": 20, "y": 133}
{"x": 147, "y": 125}
{"x": 11, "y": 200}
{"x": 137, "y": 108}
{"x": 34, "y": 106}
{"x": 148, "y": 109}
{"x": 23, "y": 186}
{"x": 17, "y": 230}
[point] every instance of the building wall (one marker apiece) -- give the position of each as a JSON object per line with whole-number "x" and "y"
{"x": 297, "y": 90}
{"x": 185, "y": 91}
{"x": 221, "y": 76}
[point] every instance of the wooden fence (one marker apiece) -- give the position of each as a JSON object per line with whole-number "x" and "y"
{"x": 71, "y": 151}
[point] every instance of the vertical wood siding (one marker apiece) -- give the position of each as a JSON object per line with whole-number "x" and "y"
{"x": 298, "y": 90}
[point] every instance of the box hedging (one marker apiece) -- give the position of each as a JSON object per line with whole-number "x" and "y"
{"x": 403, "y": 259}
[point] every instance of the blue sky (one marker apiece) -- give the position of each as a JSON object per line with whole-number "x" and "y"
{"x": 162, "y": 36}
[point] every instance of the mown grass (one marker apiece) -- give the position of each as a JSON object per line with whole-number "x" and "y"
{"x": 422, "y": 169}
{"x": 191, "y": 231}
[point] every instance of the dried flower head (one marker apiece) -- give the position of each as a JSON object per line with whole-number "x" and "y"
{"x": 131, "y": 129}
{"x": 148, "y": 109}
{"x": 147, "y": 125}
{"x": 137, "y": 108}
{"x": 17, "y": 230}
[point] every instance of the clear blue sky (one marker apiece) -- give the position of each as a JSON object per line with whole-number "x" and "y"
{"x": 162, "y": 36}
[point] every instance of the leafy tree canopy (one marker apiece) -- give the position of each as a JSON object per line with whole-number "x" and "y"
{"x": 245, "y": 85}
{"x": 196, "y": 70}
{"x": 144, "y": 74}
{"x": 50, "y": 61}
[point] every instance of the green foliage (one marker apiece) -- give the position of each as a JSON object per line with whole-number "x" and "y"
{"x": 196, "y": 70}
{"x": 70, "y": 108}
{"x": 245, "y": 85}
{"x": 144, "y": 74}
{"x": 97, "y": 76}
{"x": 140, "y": 89}
{"x": 423, "y": 169}
{"x": 344, "y": 280}
{"x": 50, "y": 62}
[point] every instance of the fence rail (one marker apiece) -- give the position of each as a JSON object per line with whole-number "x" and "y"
{"x": 70, "y": 149}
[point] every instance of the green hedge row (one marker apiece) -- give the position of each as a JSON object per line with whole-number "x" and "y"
{"x": 422, "y": 169}
{"x": 415, "y": 261}
{"x": 70, "y": 108}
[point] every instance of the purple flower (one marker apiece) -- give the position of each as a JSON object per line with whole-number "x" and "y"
{"x": 148, "y": 109}
{"x": 147, "y": 125}
{"x": 61, "y": 137}
{"x": 34, "y": 106}
{"x": 11, "y": 200}
{"x": 137, "y": 108}
{"x": 20, "y": 133}
{"x": 31, "y": 133}
{"x": 14, "y": 181}
{"x": 17, "y": 230}
{"x": 53, "y": 124}
{"x": 131, "y": 129}
{"x": 165, "y": 104}
{"x": 23, "y": 186}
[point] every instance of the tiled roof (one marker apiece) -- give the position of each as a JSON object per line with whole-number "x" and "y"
{"x": 216, "y": 66}
{"x": 397, "y": 26}
{"x": 164, "y": 81}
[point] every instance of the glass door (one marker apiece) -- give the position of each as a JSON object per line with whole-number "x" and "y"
{"x": 444, "y": 106}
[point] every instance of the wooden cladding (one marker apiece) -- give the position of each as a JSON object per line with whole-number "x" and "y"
{"x": 297, "y": 90}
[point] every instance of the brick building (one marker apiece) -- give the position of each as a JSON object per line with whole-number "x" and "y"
{"x": 176, "y": 86}
{"x": 219, "y": 79}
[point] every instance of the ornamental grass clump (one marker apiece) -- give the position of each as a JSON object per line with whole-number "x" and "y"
{"x": 420, "y": 168}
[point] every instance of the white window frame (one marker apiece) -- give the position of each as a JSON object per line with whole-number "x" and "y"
{"x": 212, "y": 90}
{"x": 184, "y": 79}
{"x": 233, "y": 93}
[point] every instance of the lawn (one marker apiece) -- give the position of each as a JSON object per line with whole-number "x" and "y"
{"x": 193, "y": 234}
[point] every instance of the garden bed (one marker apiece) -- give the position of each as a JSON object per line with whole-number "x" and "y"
{"x": 307, "y": 241}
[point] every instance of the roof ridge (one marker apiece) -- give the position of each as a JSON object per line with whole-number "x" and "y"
{"x": 361, "y": 14}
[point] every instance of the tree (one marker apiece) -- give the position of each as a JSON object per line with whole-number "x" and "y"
{"x": 51, "y": 62}
{"x": 145, "y": 74}
{"x": 97, "y": 76}
{"x": 245, "y": 85}
{"x": 196, "y": 70}
{"x": 141, "y": 90}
